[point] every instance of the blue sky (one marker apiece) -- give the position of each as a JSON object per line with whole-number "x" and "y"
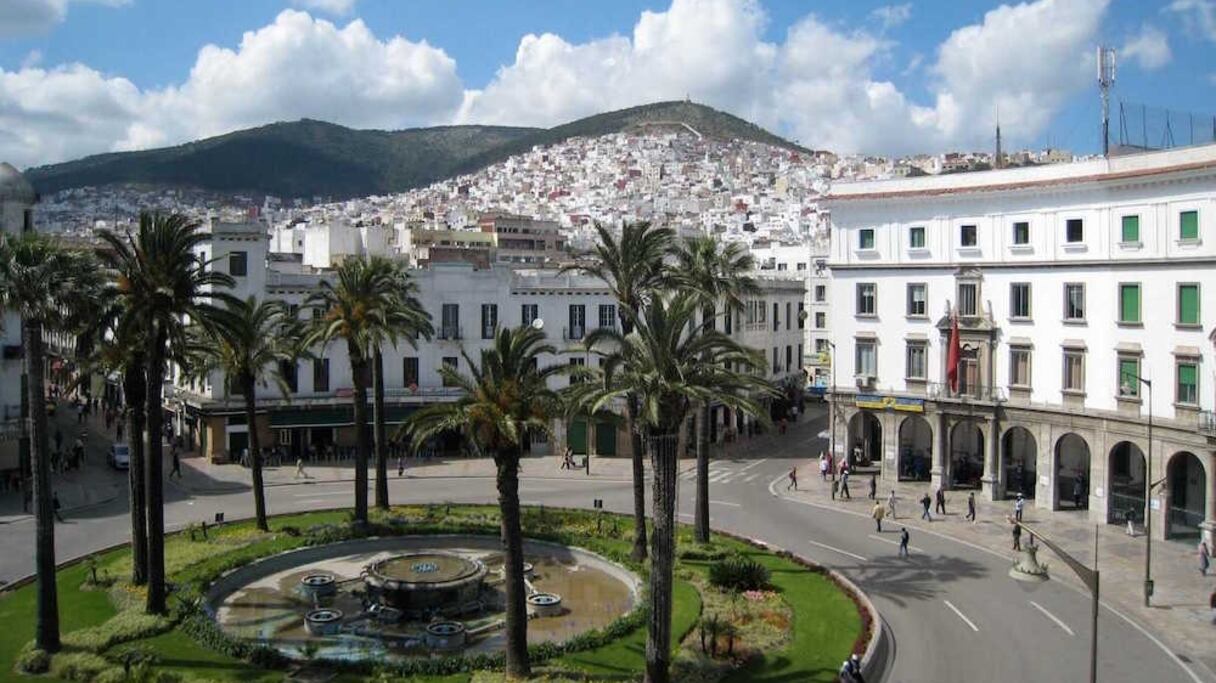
{"x": 87, "y": 76}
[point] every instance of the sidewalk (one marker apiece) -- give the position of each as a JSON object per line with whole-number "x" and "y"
{"x": 1180, "y": 615}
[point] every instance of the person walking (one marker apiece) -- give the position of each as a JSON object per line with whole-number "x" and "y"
{"x": 177, "y": 465}
{"x": 300, "y": 473}
{"x": 878, "y": 512}
{"x": 844, "y": 486}
{"x": 1018, "y": 504}
{"x": 793, "y": 479}
{"x": 891, "y": 504}
{"x": 1017, "y": 536}
{"x": 925, "y": 502}
{"x": 873, "y": 486}
{"x": 940, "y": 506}
{"x": 903, "y": 541}
{"x": 1204, "y": 558}
{"x": 55, "y": 506}
{"x": 850, "y": 671}
{"x": 823, "y": 466}
{"x": 971, "y": 506}
{"x": 401, "y": 465}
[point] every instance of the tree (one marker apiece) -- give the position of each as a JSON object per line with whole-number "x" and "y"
{"x": 40, "y": 280}
{"x": 670, "y": 364}
{"x": 506, "y": 396}
{"x": 250, "y": 341}
{"x": 716, "y": 273}
{"x": 632, "y": 268}
{"x": 165, "y": 283}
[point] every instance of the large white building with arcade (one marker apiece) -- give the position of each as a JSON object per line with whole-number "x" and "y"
{"x": 1077, "y": 288}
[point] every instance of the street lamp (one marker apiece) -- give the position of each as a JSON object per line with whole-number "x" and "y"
{"x": 1028, "y": 569}
{"x": 1149, "y": 485}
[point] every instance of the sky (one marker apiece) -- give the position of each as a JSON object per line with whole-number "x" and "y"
{"x": 81, "y": 77}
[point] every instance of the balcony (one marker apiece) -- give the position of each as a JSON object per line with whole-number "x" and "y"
{"x": 452, "y": 332}
{"x": 977, "y": 392}
{"x": 1206, "y": 423}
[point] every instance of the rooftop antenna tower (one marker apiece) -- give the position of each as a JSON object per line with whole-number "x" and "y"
{"x": 1106, "y": 79}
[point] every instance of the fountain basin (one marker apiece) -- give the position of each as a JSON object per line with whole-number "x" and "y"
{"x": 323, "y": 622}
{"x": 545, "y": 604}
{"x": 318, "y": 585}
{"x": 446, "y": 635}
{"x": 422, "y": 583}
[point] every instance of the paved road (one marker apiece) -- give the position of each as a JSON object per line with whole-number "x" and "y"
{"x": 954, "y": 613}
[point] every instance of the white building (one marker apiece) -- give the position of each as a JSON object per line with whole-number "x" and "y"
{"x": 807, "y": 264}
{"x": 1071, "y": 283}
{"x": 17, "y": 199}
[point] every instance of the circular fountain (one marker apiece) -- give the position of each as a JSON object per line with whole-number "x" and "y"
{"x": 432, "y": 582}
{"x": 446, "y": 635}
{"x": 318, "y": 585}
{"x": 323, "y": 622}
{"x": 545, "y": 604}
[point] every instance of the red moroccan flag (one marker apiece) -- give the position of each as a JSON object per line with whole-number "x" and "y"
{"x": 952, "y": 355}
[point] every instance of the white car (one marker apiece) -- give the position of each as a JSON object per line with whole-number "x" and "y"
{"x": 120, "y": 456}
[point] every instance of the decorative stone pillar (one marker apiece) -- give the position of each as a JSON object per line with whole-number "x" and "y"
{"x": 990, "y": 482}
{"x": 937, "y": 473}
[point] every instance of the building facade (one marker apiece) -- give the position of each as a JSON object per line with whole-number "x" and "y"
{"x": 1085, "y": 303}
{"x": 808, "y": 264}
{"x": 17, "y": 199}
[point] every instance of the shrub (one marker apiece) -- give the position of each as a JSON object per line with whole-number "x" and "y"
{"x": 703, "y": 553}
{"x": 738, "y": 574}
{"x": 34, "y": 661}
{"x": 122, "y": 627}
{"x": 78, "y": 666}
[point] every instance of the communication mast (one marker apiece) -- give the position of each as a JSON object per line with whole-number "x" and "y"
{"x": 1106, "y": 79}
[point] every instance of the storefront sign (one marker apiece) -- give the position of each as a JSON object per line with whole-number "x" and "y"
{"x": 875, "y": 402}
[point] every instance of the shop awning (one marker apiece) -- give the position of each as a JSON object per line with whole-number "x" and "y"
{"x": 332, "y": 416}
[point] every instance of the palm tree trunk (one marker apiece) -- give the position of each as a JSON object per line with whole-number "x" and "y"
{"x": 358, "y": 368}
{"x": 663, "y": 455}
{"x": 513, "y": 564}
{"x": 155, "y": 466}
{"x": 46, "y": 631}
{"x": 248, "y": 386}
{"x": 381, "y": 444}
{"x": 701, "y": 523}
{"x": 638, "y": 554}
{"x": 133, "y": 387}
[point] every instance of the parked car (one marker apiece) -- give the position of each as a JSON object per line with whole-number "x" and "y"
{"x": 120, "y": 456}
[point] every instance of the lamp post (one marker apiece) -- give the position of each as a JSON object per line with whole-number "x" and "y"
{"x": 832, "y": 413}
{"x": 1027, "y": 568}
{"x": 1149, "y": 485}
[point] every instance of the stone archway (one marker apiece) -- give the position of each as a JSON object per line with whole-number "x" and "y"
{"x": 865, "y": 439}
{"x": 915, "y": 449}
{"x": 1019, "y": 457}
{"x": 1186, "y": 483}
{"x": 966, "y": 455}
{"x": 1127, "y": 476}
{"x": 1072, "y": 473}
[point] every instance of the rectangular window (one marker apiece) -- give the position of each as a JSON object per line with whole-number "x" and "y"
{"x": 1019, "y": 367}
{"x": 320, "y": 374}
{"x": 800, "y": 359}
{"x": 801, "y": 315}
{"x": 489, "y": 320}
{"x": 576, "y": 364}
{"x": 238, "y": 264}
{"x": 821, "y": 293}
{"x": 967, "y": 295}
{"x": 578, "y": 321}
{"x": 1074, "y": 302}
{"x": 1129, "y": 303}
{"x": 865, "y": 238}
{"x": 801, "y": 266}
{"x": 1019, "y": 300}
{"x": 916, "y": 237}
{"x": 1074, "y": 231}
{"x": 1021, "y": 233}
{"x": 1074, "y": 371}
{"x": 608, "y": 316}
{"x": 776, "y": 361}
{"x": 1129, "y": 377}
{"x": 409, "y": 371}
{"x": 865, "y": 363}
{"x": 789, "y": 308}
{"x": 1131, "y": 230}
{"x": 1188, "y": 304}
{"x": 1188, "y": 225}
{"x": 450, "y": 321}
{"x": 867, "y": 298}
{"x": 782, "y": 266}
{"x": 776, "y": 316}
{"x": 789, "y": 357}
{"x": 290, "y": 374}
{"x": 528, "y": 313}
{"x": 453, "y": 363}
{"x": 916, "y": 368}
{"x": 918, "y": 305}
{"x": 821, "y": 346}
{"x": 821, "y": 320}
{"x": 1188, "y": 383}
{"x": 967, "y": 236}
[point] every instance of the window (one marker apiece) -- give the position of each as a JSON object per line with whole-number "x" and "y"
{"x": 238, "y": 264}
{"x": 967, "y": 236}
{"x": 1188, "y": 225}
{"x": 918, "y": 300}
{"x": 1074, "y": 231}
{"x": 789, "y": 357}
{"x": 776, "y": 360}
{"x": 1188, "y": 383}
{"x": 320, "y": 374}
{"x": 782, "y": 266}
{"x": 967, "y": 295}
{"x": 608, "y": 316}
{"x": 1074, "y": 302}
{"x": 528, "y": 313}
{"x": 453, "y": 363}
{"x": 821, "y": 320}
{"x": 801, "y": 315}
{"x": 916, "y": 237}
{"x": 821, "y": 293}
{"x": 865, "y": 238}
{"x": 1021, "y": 233}
{"x": 1019, "y": 367}
{"x": 822, "y": 346}
{"x": 801, "y": 266}
{"x": 1129, "y": 377}
{"x": 1074, "y": 371}
{"x": 800, "y": 358}
{"x": 1131, "y": 230}
{"x": 1019, "y": 300}
{"x": 776, "y": 316}
{"x": 867, "y": 298}
{"x": 289, "y": 372}
{"x": 409, "y": 371}
{"x": 578, "y": 321}
{"x": 450, "y": 321}
{"x": 1188, "y": 304}
{"x": 1129, "y": 303}
{"x": 789, "y": 307}
{"x": 576, "y": 366}
{"x": 489, "y": 320}
{"x": 865, "y": 363}
{"x": 916, "y": 368}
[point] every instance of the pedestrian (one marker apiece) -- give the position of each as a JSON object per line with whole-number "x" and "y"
{"x": 1204, "y": 558}
{"x": 58, "y": 439}
{"x": 793, "y": 479}
{"x": 300, "y": 473}
{"x": 844, "y": 486}
{"x": 80, "y": 409}
{"x": 1017, "y": 536}
{"x": 878, "y": 512}
{"x": 401, "y": 465}
{"x": 891, "y": 504}
{"x": 1018, "y": 504}
{"x": 55, "y": 506}
{"x": 119, "y": 430}
{"x": 925, "y": 502}
{"x": 971, "y": 506}
{"x": 850, "y": 671}
{"x": 873, "y": 486}
{"x": 177, "y": 465}
{"x": 903, "y": 541}
{"x": 244, "y": 457}
{"x": 940, "y": 506}
{"x": 823, "y": 466}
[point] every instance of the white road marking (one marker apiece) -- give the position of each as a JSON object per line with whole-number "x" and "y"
{"x": 895, "y": 543}
{"x": 749, "y": 478}
{"x": 761, "y": 460}
{"x": 311, "y": 501}
{"x": 1053, "y": 617}
{"x": 722, "y": 502}
{"x": 961, "y": 616}
{"x": 319, "y": 493}
{"x": 720, "y": 477}
{"x": 846, "y": 553}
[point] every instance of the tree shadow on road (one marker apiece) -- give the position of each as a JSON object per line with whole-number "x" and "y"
{"x": 920, "y": 577}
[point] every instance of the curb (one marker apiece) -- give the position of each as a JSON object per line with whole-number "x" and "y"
{"x": 78, "y": 508}
{"x": 238, "y": 488}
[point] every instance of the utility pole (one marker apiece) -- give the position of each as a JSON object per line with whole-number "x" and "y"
{"x": 1106, "y": 79}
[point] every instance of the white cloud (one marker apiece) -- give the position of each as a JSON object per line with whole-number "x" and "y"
{"x": 1150, "y": 48}
{"x": 890, "y": 16}
{"x": 336, "y": 7}
{"x": 1197, "y": 15}
{"x": 23, "y": 17}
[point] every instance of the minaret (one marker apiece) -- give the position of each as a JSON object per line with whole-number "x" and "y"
{"x": 998, "y": 160}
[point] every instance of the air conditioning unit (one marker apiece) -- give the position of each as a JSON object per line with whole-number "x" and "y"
{"x": 865, "y": 381}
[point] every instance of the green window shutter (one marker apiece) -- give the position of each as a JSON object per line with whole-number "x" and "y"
{"x": 1131, "y": 228}
{"x": 1189, "y": 225}
{"x": 1129, "y": 377}
{"x": 1129, "y": 303}
{"x": 1188, "y": 383}
{"x": 1188, "y": 304}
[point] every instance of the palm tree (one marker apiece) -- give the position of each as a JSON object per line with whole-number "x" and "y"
{"x": 505, "y": 398}
{"x": 164, "y": 283}
{"x": 670, "y": 364}
{"x": 715, "y": 273}
{"x": 250, "y": 341}
{"x": 40, "y": 281}
{"x": 632, "y": 268}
